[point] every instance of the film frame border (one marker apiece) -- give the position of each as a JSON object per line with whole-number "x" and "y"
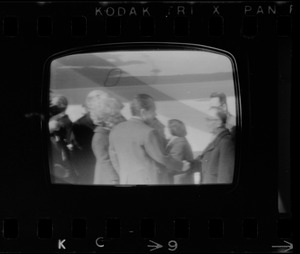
{"x": 14, "y": 29}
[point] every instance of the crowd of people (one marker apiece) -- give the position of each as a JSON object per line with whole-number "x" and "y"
{"x": 102, "y": 147}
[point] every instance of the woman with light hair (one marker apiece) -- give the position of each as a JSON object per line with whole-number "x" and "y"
{"x": 105, "y": 111}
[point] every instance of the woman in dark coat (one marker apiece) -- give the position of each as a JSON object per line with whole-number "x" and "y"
{"x": 179, "y": 148}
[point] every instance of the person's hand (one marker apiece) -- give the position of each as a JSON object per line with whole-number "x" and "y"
{"x": 70, "y": 147}
{"x": 186, "y": 166}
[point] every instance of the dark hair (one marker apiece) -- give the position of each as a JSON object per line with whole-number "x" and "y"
{"x": 221, "y": 96}
{"x": 59, "y": 101}
{"x": 140, "y": 101}
{"x": 177, "y": 128}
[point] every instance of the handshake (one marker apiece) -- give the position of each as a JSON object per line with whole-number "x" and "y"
{"x": 191, "y": 166}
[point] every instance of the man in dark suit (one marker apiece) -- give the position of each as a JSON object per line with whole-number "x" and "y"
{"x": 60, "y": 127}
{"x": 136, "y": 149}
{"x": 217, "y": 159}
{"x": 82, "y": 155}
{"x": 219, "y": 100}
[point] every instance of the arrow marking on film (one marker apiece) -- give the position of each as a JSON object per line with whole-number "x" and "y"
{"x": 155, "y": 246}
{"x": 289, "y": 246}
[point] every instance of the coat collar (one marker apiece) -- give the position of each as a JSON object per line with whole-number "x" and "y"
{"x": 101, "y": 129}
{"x": 217, "y": 139}
{"x": 136, "y": 119}
{"x": 174, "y": 140}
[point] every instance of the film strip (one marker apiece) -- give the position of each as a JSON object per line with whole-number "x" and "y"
{"x": 145, "y": 230}
{"x": 182, "y": 20}
{"x": 44, "y": 45}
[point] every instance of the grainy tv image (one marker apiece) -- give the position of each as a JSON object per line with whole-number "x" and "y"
{"x": 142, "y": 117}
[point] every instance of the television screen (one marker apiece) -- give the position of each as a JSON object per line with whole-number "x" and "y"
{"x": 143, "y": 117}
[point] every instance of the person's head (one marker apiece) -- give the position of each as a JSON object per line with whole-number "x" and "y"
{"x": 177, "y": 128}
{"x": 143, "y": 106}
{"x": 54, "y": 125}
{"x": 216, "y": 119}
{"x": 102, "y": 107}
{"x": 218, "y": 99}
{"x": 58, "y": 104}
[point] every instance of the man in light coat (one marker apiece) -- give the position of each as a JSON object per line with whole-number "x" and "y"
{"x": 136, "y": 150}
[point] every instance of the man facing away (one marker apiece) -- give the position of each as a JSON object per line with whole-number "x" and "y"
{"x": 136, "y": 149}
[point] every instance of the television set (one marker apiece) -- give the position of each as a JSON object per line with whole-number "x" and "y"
{"x": 185, "y": 81}
{"x": 60, "y": 62}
